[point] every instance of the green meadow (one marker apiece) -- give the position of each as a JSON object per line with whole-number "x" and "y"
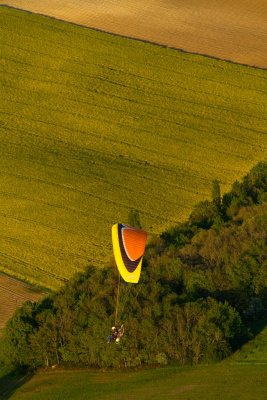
{"x": 93, "y": 125}
{"x": 206, "y": 382}
{"x": 254, "y": 351}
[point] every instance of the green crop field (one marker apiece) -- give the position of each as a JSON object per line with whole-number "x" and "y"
{"x": 221, "y": 381}
{"x": 93, "y": 125}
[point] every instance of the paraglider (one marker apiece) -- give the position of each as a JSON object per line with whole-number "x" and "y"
{"x": 128, "y": 247}
{"x": 116, "y": 334}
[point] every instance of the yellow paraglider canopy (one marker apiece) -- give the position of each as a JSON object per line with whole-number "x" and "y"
{"x": 129, "y": 247}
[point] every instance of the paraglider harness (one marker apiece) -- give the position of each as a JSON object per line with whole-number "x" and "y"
{"x": 116, "y": 334}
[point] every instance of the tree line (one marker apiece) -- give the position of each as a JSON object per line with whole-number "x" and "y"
{"x": 203, "y": 282}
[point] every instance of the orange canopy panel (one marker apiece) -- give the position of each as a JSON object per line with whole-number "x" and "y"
{"x": 129, "y": 247}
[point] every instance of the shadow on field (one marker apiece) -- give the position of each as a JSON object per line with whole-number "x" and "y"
{"x": 12, "y": 381}
{"x": 258, "y": 326}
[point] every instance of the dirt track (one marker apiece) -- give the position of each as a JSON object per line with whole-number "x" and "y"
{"x": 230, "y": 29}
{"x": 12, "y": 294}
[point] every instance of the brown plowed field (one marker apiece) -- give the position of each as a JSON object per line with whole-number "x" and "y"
{"x": 230, "y": 29}
{"x": 12, "y": 294}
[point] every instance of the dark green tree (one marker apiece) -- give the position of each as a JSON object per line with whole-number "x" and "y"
{"x": 134, "y": 219}
{"x": 216, "y": 194}
{"x": 203, "y": 214}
